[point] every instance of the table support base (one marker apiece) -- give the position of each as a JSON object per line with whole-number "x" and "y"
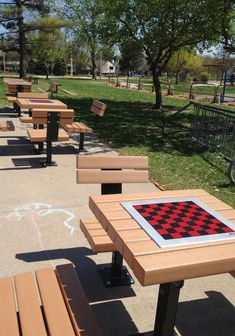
{"x": 167, "y": 308}
{"x": 116, "y": 274}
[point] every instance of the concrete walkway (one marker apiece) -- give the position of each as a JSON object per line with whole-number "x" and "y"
{"x": 40, "y": 210}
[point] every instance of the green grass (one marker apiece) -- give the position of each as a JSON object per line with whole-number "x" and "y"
{"x": 132, "y": 127}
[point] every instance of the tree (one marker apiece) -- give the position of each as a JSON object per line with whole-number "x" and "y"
{"x": 13, "y": 18}
{"x": 163, "y": 27}
{"x": 183, "y": 60}
{"x": 87, "y": 22}
{"x": 132, "y": 56}
{"x": 51, "y": 46}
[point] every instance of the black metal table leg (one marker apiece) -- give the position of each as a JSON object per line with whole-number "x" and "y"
{"x": 116, "y": 274}
{"x": 81, "y": 141}
{"x": 167, "y": 308}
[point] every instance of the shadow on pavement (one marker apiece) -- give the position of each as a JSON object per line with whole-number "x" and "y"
{"x": 87, "y": 271}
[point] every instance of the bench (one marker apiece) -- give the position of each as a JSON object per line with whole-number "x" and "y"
{"x": 98, "y": 108}
{"x": 53, "y": 119}
{"x": 110, "y": 172}
{"x": 53, "y": 88}
{"x": 46, "y": 302}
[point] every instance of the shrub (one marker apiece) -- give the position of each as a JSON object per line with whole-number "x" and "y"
{"x": 204, "y": 76}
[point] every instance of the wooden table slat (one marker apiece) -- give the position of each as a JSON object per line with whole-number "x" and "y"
{"x": 29, "y": 305}
{"x": 58, "y": 320}
{"x": 184, "y": 264}
{"x": 8, "y": 316}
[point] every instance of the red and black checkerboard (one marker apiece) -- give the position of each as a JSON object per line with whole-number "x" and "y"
{"x": 182, "y": 219}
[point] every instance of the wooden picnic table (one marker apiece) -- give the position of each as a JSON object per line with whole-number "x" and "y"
{"x": 29, "y": 103}
{"x": 14, "y": 84}
{"x": 168, "y": 266}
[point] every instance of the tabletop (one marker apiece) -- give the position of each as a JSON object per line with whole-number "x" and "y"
{"x": 153, "y": 264}
{"x": 29, "y": 103}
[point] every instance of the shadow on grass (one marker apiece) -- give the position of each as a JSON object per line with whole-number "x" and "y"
{"x": 136, "y": 123}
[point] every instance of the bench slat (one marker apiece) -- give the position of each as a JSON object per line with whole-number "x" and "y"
{"x": 8, "y": 317}
{"x": 31, "y": 318}
{"x": 97, "y": 111}
{"x": 114, "y": 162}
{"x": 93, "y": 176}
{"x": 81, "y": 314}
{"x": 96, "y": 236}
{"x": 26, "y": 120}
{"x": 57, "y": 317}
{"x": 40, "y": 135}
{"x": 78, "y": 127}
{"x": 98, "y": 104}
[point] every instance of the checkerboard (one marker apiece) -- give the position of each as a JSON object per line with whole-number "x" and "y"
{"x": 173, "y": 222}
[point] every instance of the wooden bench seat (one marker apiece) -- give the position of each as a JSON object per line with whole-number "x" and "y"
{"x": 78, "y": 127}
{"x": 47, "y": 302}
{"x": 7, "y": 126}
{"x": 98, "y": 108}
{"x": 40, "y": 135}
{"x": 96, "y": 236}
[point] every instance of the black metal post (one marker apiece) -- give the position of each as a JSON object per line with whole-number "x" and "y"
{"x": 53, "y": 122}
{"x": 49, "y": 153}
{"x": 116, "y": 274}
{"x": 168, "y": 297}
{"x": 81, "y": 141}
{"x": 111, "y": 188}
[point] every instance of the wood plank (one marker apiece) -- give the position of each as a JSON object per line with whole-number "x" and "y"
{"x": 26, "y": 120}
{"x": 118, "y": 225}
{"x": 31, "y": 318}
{"x": 188, "y": 264}
{"x": 78, "y": 127}
{"x": 94, "y": 201}
{"x": 113, "y": 162}
{"x": 123, "y": 236}
{"x": 42, "y": 113}
{"x": 56, "y": 314}
{"x": 43, "y": 121}
{"x": 101, "y": 244}
{"x": 40, "y": 95}
{"x": 99, "y": 104}
{"x": 78, "y": 306}
{"x": 97, "y": 111}
{"x": 8, "y": 316}
{"x": 40, "y": 135}
{"x": 93, "y": 176}
{"x": 105, "y": 218}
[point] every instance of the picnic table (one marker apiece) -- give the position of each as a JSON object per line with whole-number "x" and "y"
{"x": 168, "y": 237}
{"x": 29, "y": 103}
{"x": 17, "y": 85}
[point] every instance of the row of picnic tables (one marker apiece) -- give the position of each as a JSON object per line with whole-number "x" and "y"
{"x": 171, "y": 264}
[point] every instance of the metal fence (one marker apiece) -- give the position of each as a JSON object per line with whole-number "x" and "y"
{"x": 214, "y": 128}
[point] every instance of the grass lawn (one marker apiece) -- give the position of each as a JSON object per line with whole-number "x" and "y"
{"x": 132, "y": 128}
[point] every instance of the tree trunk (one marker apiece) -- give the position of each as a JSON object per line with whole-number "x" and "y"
{"x": 93, "y": 64}
{"x": 22, "y": 44}
{"x": 177, "y": 77}
{"x": 157, "y": 86}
